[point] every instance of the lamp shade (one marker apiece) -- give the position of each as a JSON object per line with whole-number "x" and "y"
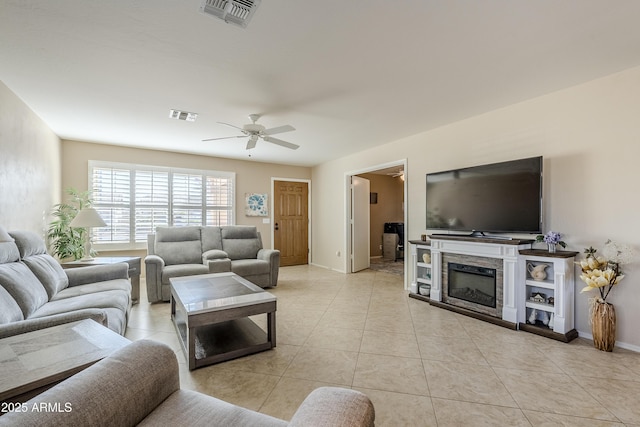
{"x": 87, "y": 217}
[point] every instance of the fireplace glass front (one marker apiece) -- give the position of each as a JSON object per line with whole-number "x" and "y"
{"x": 473, "y": 284}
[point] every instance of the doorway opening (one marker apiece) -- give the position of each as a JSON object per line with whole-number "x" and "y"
{"x": 384, "y": 206}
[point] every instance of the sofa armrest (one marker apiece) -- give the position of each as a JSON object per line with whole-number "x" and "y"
{"x": 272, "y": 256}
{"x": 269, "y": 255}
{"x": 219, "y": 265}
{"x": 97, "y": 273}
{"x": 153, "y": 271}
{"x": 334, "y": 407}
{"x": 29, "y": 325}
{"x": 213, "y": 254}
{"x": 120, "y": 390}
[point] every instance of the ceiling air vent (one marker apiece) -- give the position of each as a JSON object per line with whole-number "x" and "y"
{"x": 236, "y": 12}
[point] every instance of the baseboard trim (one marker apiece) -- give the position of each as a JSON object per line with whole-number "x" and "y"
{"x": 479, "y": 316}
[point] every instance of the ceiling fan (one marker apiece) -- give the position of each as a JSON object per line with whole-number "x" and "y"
{"x": 255, "y": 131}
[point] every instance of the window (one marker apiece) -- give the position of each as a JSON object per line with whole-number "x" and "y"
{"x": 134, "y": 199}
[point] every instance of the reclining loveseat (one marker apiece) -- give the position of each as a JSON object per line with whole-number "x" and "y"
{"x": 190, "y": 250}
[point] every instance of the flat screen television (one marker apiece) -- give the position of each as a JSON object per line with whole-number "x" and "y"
{"x": 501, "y": 197}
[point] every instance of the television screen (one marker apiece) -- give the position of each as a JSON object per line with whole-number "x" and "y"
{"x": 500, "y": 197}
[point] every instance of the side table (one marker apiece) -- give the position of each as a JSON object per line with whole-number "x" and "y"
{"x": 134, "y": 269}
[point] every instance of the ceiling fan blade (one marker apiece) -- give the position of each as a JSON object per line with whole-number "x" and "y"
{"x": 224, "y": 137}
{"x": 252, "y": 142}
{"x": 233, "y": 126}
{"x": 279, "y": 129}
{"x": 281, "y": 142}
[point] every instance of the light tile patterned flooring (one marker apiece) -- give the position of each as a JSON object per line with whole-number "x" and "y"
{"x": 420, "y": 365}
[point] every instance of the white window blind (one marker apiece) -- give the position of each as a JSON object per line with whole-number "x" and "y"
{"x": 134, "y": 199}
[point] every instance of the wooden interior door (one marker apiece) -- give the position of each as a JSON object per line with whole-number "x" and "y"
{"x": 291, "y": 222}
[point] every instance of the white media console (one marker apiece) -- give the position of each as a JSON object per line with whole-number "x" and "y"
{"x": 516, "y": 300}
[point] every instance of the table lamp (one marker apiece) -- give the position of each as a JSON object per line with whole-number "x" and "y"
{"x": 87, "y": 218}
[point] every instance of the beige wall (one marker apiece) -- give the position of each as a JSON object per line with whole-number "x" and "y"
{"x": 388, "y": 209}
{"x": 251, "y": 177}
{"x": 589, "y": 136}
{"x": 29, "y": 166}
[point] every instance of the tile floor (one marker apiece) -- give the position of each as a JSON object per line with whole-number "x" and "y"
{"x": 420, "y": 365}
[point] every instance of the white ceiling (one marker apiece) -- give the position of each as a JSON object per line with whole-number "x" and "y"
{"x": 347, "y": 74}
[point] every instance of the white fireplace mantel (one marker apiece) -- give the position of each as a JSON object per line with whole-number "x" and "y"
{"x": 506, "y": 250}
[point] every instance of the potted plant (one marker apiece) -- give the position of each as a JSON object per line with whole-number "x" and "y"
{"x": 552, "y": 238}
{"x": 64, "y": 241}
{"x": 602, "y": 273}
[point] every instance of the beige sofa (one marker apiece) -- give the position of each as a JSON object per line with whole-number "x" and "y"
{"x": 35, "y": 292}
{"x": 185, "y": 251}
{"x": 140, "y": 385}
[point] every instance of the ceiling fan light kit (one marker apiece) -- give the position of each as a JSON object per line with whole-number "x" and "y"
{"x": 235, "y": 12}
{"x": 255, "y": 131}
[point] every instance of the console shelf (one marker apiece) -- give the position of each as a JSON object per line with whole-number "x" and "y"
{"x": 546, "y": 293}
{"x": 422, "y": 268}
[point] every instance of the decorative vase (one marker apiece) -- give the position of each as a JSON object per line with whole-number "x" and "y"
{"x": 603, "y": 325}
{"x": 552, "y": 247}
{"x": 537, "y": 272}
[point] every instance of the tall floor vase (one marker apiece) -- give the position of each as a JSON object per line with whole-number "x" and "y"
{"x": 603, "y": 325}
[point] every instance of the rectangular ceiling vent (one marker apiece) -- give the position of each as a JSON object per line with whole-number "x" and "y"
{"x": 183, "y": 115}
{"x": 236, "y": 12}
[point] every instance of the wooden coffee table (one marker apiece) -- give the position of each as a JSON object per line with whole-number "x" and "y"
{"x": 32, "y": 362}
{"x": 211, "y": 315}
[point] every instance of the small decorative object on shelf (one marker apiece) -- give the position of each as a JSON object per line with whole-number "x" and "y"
{"x": 602, "y": 273}
{"x": 552, "y": 238}
{"x": 533, "y": 316}
{"x": 545, "y": 318}
{"x": 426, "y": 258}
{"x": 550, "y": 325}
{"x": 424, "y": 290}
{"x": 537, "y": 272}
{"x": 538, "y": 297}
{"x": 550, "y": 300}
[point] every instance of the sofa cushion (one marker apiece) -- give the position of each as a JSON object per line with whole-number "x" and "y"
{"x": 23, "y": 286}
{"x": 241, "y": 242}
{"x": 190, "y": 408}
{"x": 49, "y": 272}
{"x": 211, "y": 238}
{"x": 178, "y": 245}
{"x": 10, "y": 310}
{"x": 8, "y": 252}
{"x": 4, "y": 235}
{"x": 182, "y": 270}
{"x": 108, "y": 299}
{"x": 91, "y": 288}
{"x": 8, "y": 249}
{"x": 29, "y": 243}
{"x": 250, "y": 267}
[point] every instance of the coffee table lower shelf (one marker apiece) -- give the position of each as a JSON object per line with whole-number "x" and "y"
{"x": 223, "y": 341}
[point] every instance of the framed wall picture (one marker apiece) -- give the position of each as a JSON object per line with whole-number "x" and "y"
{"x": 256, "y": 204}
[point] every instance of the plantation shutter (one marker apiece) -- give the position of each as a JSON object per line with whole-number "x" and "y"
{"x": 111, "y": 194}
{"x": 152, "y": 202}
{"x": 134, "y": 200}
